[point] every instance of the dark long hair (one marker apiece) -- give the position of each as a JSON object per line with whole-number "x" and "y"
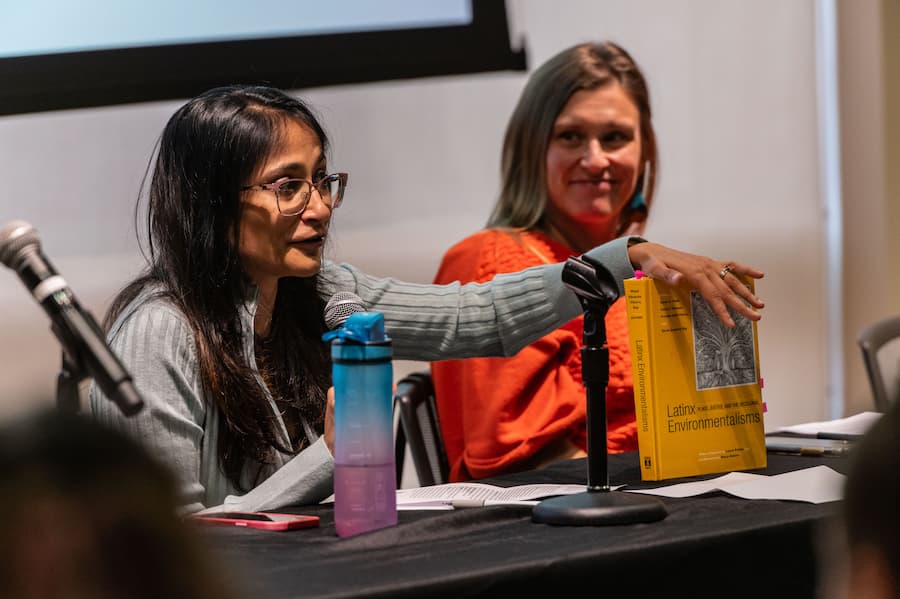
{"x": 208, "y": 150}
{"x": 523, "y": 191}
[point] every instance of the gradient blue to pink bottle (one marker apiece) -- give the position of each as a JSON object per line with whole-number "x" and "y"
{"x": 365, "y": 479}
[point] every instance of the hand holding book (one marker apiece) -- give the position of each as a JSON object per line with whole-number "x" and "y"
{"x": 719, "y": 283}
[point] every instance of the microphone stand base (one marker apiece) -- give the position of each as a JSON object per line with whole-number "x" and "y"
{"x": 599, "y": 508}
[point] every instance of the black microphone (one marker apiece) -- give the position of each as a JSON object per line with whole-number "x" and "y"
{"x": 82, "y": 338}
{"x": 593, "y": 284}
{"x": 340, "y": 306}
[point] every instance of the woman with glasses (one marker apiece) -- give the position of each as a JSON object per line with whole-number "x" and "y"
{"x": 223, "y": 331}
{"x": 578, "y": 169}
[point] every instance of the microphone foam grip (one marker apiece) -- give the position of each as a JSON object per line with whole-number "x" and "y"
{"x": 339, "y": 308}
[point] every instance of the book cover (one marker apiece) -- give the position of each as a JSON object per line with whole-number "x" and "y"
{"x": 697, "y": 389}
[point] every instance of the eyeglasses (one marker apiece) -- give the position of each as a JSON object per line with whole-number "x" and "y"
{"x": 292, "y": 195}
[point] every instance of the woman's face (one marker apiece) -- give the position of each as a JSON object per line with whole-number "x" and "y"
{"x": 272, "y": 245}
{"x": 593, "y": 158}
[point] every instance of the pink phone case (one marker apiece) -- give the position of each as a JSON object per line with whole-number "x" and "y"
{"x": 260, "y": 520}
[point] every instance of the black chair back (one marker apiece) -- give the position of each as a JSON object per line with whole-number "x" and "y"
{"x": 880, "y": 345}
{"x": 419, "y": 430}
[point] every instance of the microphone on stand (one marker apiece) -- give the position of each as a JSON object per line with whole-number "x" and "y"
{"x": 85, "y": 351}
{"x": 596, "y": 290}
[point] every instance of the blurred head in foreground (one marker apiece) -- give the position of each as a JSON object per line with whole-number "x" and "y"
{"x": 88, "y": 513}
{"x": 871, "y": 511}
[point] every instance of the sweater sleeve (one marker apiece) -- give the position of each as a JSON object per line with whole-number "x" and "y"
{"x": 454, "y": 320}
{"x": 306, "y": 479}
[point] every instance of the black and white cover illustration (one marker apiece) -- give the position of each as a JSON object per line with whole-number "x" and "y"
{"x": 724, "y": 357}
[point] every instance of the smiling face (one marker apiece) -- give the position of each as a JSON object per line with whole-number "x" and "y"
{"x": 272, "y": 245}
{"x": 593, "y": 162}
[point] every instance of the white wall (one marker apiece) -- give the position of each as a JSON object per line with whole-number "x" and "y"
{"x": 733, "y": 89}
{"x": 871, "y": 214}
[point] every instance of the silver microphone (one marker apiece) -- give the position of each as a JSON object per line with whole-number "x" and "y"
{"x": 339, "y": 308}
{"x": 78, "y": 332}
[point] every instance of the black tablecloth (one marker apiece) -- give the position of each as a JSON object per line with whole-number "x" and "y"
{"x": 713, "y": 545}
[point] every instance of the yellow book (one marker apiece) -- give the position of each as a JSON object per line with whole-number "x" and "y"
{"x": 697, "y": 389}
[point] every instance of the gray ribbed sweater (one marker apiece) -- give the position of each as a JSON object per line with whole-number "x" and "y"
{"x": 425, "y": 322}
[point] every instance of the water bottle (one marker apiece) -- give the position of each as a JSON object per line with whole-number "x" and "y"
{"x": 365, "y": 479}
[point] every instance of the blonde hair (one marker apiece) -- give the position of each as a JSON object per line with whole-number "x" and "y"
{"x": 523, "y": 191}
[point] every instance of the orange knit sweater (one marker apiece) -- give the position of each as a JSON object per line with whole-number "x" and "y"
{"x": 497, "y": 413}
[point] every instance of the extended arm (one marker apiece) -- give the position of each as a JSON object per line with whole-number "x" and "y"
{"x": 499, "y": 318}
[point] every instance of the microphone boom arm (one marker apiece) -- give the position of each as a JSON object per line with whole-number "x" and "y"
{"x": 85, "y": 350}
{"x": 85, "y": 353}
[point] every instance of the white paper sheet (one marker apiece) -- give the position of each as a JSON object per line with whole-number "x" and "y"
{"x": 819, "y": 484}
{"x": 457, "y": 495}
{"x": 857, "y": 424}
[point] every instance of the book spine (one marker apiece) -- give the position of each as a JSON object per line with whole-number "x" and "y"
{"x": 640, "y": 329}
